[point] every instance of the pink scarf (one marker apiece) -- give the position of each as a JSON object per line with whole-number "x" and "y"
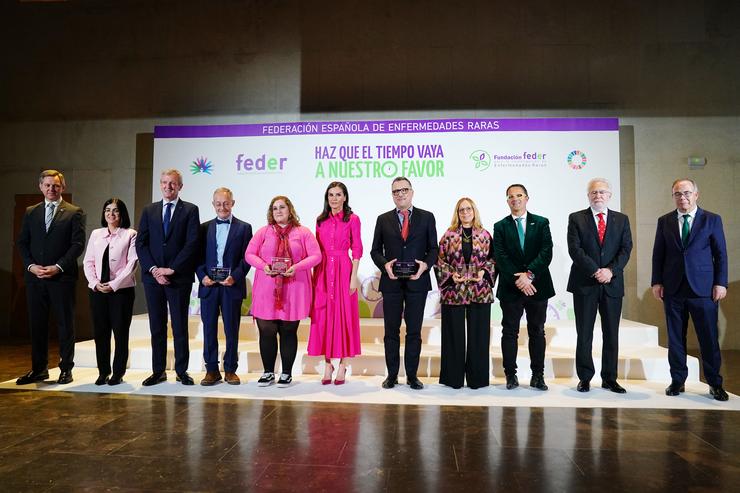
{"x": 283, "y": 250}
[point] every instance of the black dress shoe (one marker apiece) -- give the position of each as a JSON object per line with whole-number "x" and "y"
{"x": 613, "y": 386}
{"x": 65, "y": 377}
{"x": 115, "y": 379}
{"x": 718, "y": 393}
{"x": 583, "y": 386}
{"x": 154, "y": 379}
{"x": 512, "y": 382}
{"x": 102, "y": 380}
{"x": 538, "y": 382}
{"x": 33, "y": 376}
{"x": 674, "y": 388}
{"x": 390, "y": 382}
{"x": 414, "y": 383}
{"x": 185, "y": 379}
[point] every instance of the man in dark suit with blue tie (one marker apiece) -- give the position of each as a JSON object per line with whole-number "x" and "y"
{"x": 599, "y": 243}
{"x": 167, "y": 246}
{"x": 690, "y": 277}
{"x": 52, "y": 238}
{"x": 222, "y": 275}
{"x": 405, "y": 234}
{"x": 523, "y": 252}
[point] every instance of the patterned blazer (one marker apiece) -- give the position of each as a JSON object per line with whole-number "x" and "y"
{"x": 451, "y": 259}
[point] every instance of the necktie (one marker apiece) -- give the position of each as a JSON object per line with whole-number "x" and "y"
{"x": 405, "y": 225}
{"x": 224, "y": 221}
{"x": 520, "y": 230}
{"x": 685, "y": 230}
{"x": 49, "y": 215}
{"x": 602, "y": 227}
{"x": 166, "y": 219}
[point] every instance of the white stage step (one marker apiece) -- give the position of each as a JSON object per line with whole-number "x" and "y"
{"x": 640, "y": 356}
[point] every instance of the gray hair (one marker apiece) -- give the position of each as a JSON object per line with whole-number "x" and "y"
{"x": 592, "y": 181}
{"x": 693, "y": 183}
{"x": 172, "y": 171}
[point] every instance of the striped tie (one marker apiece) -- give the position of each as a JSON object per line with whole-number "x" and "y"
{"x": 49, "y": 215}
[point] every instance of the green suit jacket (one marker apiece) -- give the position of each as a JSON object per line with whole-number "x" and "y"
{"x": 510, "y": 258}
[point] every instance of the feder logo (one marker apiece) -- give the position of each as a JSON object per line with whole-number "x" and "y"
{"x": 201, "y": 165}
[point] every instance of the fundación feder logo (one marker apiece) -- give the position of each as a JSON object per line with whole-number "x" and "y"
{"x": 577, "y": 159}
{"x": 201, "y": 165}
{"x": 481, "y": 159}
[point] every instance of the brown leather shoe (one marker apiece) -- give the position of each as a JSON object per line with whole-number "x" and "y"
{"x": 231, "y": 378}
{"x": 211, "y": 378}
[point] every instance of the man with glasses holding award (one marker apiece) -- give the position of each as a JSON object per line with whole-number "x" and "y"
{"x": 222, "y": 287}
{"x": 404, "y": 249}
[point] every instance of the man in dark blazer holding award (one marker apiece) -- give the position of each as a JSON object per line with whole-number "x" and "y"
{"x": 690, "y": 278}
{"x": 167, "y": 246}
{"x": 222, "y": 275}
{"x": 523, "y": 252}
{"x": 52, "y": 238}
{"x": 404, "y": 249}
{"x": 599, "y": 243}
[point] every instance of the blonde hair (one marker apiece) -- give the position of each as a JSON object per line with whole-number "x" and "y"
{"x": 455, "y": 224}
{"x": 292, "y": 215}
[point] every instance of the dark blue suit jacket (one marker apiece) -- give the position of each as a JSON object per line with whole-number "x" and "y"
{"x": 240, "y": 233}
{"x": 703, "y": 261}
{"x": 588, "y": 256}
{"x": 421, "y": 244}
{"x": 178, "y": 250}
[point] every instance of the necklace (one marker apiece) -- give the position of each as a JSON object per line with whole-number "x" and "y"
{"x": 467, "y": 238}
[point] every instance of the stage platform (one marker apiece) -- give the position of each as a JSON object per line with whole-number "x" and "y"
{"x": 640, "y": 355}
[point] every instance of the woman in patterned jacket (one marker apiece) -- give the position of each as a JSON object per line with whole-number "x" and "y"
{"x": 465, "y": 275}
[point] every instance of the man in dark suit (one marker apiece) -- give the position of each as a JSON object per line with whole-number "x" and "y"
{"x": 167, "y": 246}
{"x": 523, "y": 251}
{"x": 52, "y": 238}
{"x": 223, "y": 241}
{"x": 690, "y": 277}
{"x": 599, "y": 243}
{"x": 405, "y": 234}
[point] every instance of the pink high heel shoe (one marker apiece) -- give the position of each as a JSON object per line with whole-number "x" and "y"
{"x": 327, "y": 381}
{"x": 344, "y": 374}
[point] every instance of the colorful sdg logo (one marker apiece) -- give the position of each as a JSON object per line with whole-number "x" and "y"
{"x": 577, "y": 159}
{"x": 481, "y": 159}
{"x": 201, "y": 165}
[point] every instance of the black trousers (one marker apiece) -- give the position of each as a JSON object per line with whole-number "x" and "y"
{"x": 111, "y": 313}
{"x": 410, "y": 306}
{"x": 536, "y": 311}
{"x": 269, "y": 330}
{"x": 610, "y": 309}
{"x": 461, "y": 362}
{"x": 44, "y": 297}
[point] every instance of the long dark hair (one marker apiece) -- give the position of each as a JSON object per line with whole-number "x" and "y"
{"x": 122, "y": 212}
{"x": 327, "y": 208}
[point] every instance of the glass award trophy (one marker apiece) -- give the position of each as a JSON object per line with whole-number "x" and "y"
{"x": 404, "y": 270}
{"x": 219, "y": 274}
{"x": 280, "y": 265}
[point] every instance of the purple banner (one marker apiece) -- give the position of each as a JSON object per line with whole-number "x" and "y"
{"x": 388, "y": 127}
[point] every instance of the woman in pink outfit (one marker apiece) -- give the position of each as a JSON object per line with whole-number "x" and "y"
{"x": 282, "y": 253}
{"x": 335, "y": 316}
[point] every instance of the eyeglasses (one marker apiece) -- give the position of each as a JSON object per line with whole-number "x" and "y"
{"x": 595, "y": 193}
{"x": 400, "y": 191}
{"x": 687, "y": 194}
{"x": 464, "y": 210}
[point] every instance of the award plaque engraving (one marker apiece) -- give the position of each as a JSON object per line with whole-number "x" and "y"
{"x": 405, "y": 269}
{"x": 219, "y": 274}
{"x": 280, "y": 265}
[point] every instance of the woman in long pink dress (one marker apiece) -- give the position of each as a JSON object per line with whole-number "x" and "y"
{"x": 282, "y": 295}
{"x": 335, "y": 315}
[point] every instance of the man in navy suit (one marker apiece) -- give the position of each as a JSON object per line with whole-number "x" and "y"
{"x": 52, "y": 237}
{"x": 223, "y": 241}
{"x": 599, "y": 243}
{"x": 690, "y": 277}
{"x": 404, "y": 234}
{"x": 167, "y": 246}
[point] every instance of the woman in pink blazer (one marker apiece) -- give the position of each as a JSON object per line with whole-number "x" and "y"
{"x": 110, "y": 263}
{"x": 282, "y": 253}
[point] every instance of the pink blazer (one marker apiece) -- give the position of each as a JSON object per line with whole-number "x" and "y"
{"x": 121, "y": 257}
